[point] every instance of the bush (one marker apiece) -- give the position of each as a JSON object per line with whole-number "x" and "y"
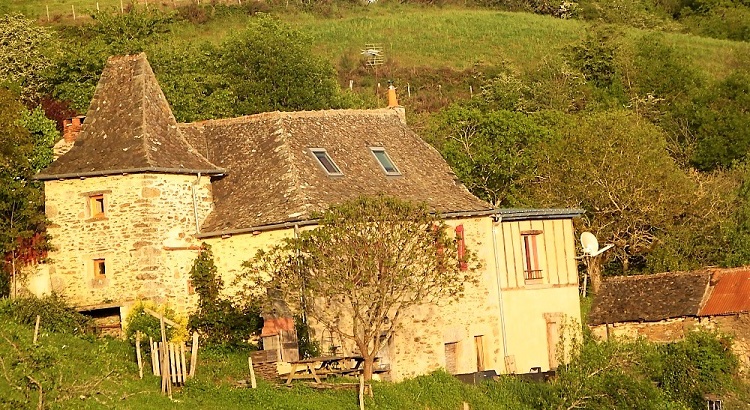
{"x": 55, "y": 314}
{"x": 219, "y": 321}
{"x": 149, "y": 326}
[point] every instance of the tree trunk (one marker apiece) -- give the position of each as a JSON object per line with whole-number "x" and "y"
{"x": 594, "y": 268}
{"x": 367, "y": 371}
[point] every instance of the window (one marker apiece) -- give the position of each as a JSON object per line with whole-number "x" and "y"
{"x": 96, "y": 206}
{"x": 385, "y": 161}
{"x": 100, "y": 269}
{"x": 461, "y": 245}
{"x": 451, "y": 358}
{"x": 531, "y": 268}
{"x": 479, "y": 344}
{"x": 325, "y": 161}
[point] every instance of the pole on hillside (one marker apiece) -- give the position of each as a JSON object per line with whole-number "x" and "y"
{"x": 48, "y": 19}
{"x": 361, "y": 392}
{"x": 138, "y": 353}
{"x": 36, "y": 328}
{"x": 253, "y": 383}
{"x": 73, "y": 6}
{"x": 193, "y": 354}
{"x": 97, "y": 7}
{"x": 122, "y": 8}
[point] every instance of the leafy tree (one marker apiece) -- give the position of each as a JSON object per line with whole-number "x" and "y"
{"x": 615, "y": 166}
{"x": 368, "y": 261}
{"x": 491, "y": 152}
{"x": 22, "y": 222}
{"x": 26, "y": 52}
{"x": 270, "y": 67}
{"x": 220, "y": 322}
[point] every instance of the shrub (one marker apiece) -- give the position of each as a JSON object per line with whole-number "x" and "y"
{"x": 150, "y": 326}
{"x": 55, "y": 314}
{"x": 220, "y": 322}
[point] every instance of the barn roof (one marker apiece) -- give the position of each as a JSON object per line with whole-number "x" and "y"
{"x": 730, "y": 294}
{"x": 649, "y": 298}
{"x": 129, "y": 128}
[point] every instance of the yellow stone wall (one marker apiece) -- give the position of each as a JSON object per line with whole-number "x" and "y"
{"x": 419, "y": 346}
{"x": 146, "y": 237}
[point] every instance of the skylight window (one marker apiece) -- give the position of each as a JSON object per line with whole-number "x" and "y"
{"x": 325, "y": 161}
{"x": 385, "y": 161}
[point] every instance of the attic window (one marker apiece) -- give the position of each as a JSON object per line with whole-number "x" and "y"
{"x": 325, "y": 161}
{"x": 100, "y": 269}
{"x": 385, "y": 161}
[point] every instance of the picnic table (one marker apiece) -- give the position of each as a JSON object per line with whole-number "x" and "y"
{"x": 317, "y": 367}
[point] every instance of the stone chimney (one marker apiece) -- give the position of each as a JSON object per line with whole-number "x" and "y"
{"x": 393, "y": 103}
{"x": 71, "y": 129}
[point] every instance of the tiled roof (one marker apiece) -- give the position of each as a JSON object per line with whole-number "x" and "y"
{"x": 272, "y": 177}
{"x": 649, "y": 297}
{"x": 129, "y": 127}
{"x": 731, "y": 294}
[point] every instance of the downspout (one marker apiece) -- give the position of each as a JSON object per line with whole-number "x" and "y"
{"x": 496, "y": 219}
{"x": 302, "y": 297}
{"x": 195, "y": 204}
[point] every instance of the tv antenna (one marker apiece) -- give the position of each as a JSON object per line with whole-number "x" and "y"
{"x": 591, "y": 250}
{"x": 373, "y": 55}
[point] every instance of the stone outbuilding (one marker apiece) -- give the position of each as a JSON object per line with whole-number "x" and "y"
{"x": 133, "y": 199}
{"x": 663, "y": 307}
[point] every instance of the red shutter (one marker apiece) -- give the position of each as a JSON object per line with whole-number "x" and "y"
{"x": 461, "y": 248}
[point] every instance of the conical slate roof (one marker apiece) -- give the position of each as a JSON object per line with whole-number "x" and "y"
{"x": 129, "y": 128}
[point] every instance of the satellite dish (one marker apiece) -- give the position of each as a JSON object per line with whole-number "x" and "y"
{"x": 591, "y": 245}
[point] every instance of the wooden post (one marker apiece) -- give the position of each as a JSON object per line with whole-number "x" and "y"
{"x": 48, "y": 19}
{"x": 361, "y": 392}
{"x": 36, "y": 328}
{"x": 154, "y": 356}
{"x": 194, "y": 354}
{"x": 73, "y": 6}
{"x": 184, "y": 363}
{"x": 138, "y": 353}
{"x": 253, "y": 383}
{"x": 466, "y": 406}
{"x": 172, "y": 363}
{"x": 166, "y": 386}
{"x": 97, "y": 7}
{"x": 408, "y": 89}
{"x": 122, "y": 8}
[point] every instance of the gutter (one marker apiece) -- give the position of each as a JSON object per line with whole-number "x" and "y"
{"x": 48, "y": 177}
{"x": 259, "y": 228}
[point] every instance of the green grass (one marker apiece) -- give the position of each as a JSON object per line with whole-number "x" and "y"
{"x": 102, "y": 374}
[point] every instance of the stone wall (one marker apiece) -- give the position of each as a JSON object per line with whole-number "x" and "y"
{"x": 145, "y": 237}
{"x": 663, "y": 331}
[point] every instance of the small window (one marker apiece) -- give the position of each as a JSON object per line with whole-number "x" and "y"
{"x": 100, "y": 269}
{"x": 532, "y": 270}
{"x": 325, "y": 161}
{"x": 451, "y": 358}
{"x": 96, "y": 206}
{"x": 385, "y": 161}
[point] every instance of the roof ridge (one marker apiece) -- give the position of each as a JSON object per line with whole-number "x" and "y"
{"x": 645, "y": 276}
{"x": 296, "y": 114}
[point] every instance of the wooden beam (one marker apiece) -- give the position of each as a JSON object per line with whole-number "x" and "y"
{"x": 160, "y": 317}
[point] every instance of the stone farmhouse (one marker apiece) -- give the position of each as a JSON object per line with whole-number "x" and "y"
{"x": 137, "y": 193}
{"x": 663, "y": 307}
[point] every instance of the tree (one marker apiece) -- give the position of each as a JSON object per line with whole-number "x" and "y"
{"x": 270, "y": 67}
{"x": 22, "y": 221}
{"x": 26, "y": 52}
{"x": 367, "y": 262}
{"x": 217, "y": 318}
{"x": 490, "y": 152}
{"x": 616, "y": 167}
